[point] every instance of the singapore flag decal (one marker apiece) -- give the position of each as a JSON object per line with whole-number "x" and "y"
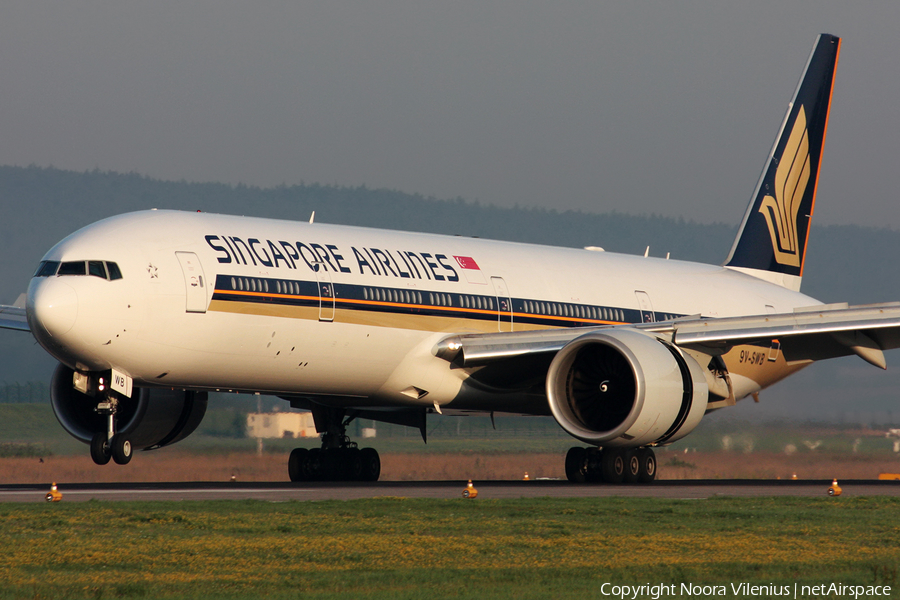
{"x": 471, "y": 269}
{"x": 467, "y": 262}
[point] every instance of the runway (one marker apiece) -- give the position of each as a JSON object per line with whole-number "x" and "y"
{"x": 284, "y": 492}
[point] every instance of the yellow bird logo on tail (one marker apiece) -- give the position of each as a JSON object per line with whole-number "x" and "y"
{"x": 791, "y": 179}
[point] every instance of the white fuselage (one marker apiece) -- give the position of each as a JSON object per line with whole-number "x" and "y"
{"x": 288, "y": 308}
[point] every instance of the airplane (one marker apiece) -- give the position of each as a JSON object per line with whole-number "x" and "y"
{"x": 148, "y": 312}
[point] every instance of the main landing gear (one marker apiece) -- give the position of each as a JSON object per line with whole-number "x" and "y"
{"x": 108, "y": 444}
{"x": 338, "y": 459}
{"x": 610, "y": 465}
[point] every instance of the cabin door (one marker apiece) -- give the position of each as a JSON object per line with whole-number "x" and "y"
{"x": 326, "y": 292}
{"x": 504, "y": 305}
{"x": 195, "y": 283}
{"x": 647, "y": 314}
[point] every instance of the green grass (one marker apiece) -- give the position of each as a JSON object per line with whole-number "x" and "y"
{"x": 405, "y": 548}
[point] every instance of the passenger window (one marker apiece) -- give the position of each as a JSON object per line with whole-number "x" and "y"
{"x": 72, "y": 268}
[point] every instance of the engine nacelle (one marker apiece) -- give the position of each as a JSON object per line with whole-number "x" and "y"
{"x": 625, "y": 388}
{"x": 151, "y": 418}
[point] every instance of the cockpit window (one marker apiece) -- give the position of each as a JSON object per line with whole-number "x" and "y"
{"x": 97, "y": 268}
{"x": 72, "y": 268}
{"x": 47, "y": 268}
{"x": 114, "y": 272}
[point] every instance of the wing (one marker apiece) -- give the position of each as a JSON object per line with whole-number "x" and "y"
{"x": 13, "y": 317}
{"x": 826, "y": 331}
{"x": 805, "y": 335}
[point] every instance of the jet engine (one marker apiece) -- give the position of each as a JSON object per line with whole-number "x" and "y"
{"x": 625, "y": 388}
{"x": 151, "y": 418}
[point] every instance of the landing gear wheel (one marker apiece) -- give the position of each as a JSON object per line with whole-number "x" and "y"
{"x": 297, "y": 464}
{"x": 121, "y": 449}
{"x": 632, "y": 466}
{"x": 100, "y": 452}
{"x": 371, "y": 464}
{"x": 612, "y": 465}
{"x": 576, "y": 464}
{"x": 647, "y": 460}
{"x": 312, "y": 466}
{"x": 352, "y": 466}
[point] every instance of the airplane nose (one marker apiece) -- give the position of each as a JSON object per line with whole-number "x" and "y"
{"x": 52, "y": 307}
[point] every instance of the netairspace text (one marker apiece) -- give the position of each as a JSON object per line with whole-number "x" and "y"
{"x": 691, "y": 590}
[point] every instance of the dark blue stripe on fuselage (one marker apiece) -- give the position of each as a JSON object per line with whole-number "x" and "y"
{"x": 419, "y": 302}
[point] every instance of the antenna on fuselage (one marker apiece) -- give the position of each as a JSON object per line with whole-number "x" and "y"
{"x": 312, "y": 217}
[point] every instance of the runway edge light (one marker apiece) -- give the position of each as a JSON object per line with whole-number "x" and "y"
{"x": 835, "y": 489}
{"x": 54, "y": 495}
{"x": 470, "y": 491}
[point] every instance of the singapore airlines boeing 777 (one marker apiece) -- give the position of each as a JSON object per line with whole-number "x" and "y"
{"x": 147, "y": 312}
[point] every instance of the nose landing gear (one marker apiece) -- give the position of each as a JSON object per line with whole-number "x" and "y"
{"x": 108, "y": 444}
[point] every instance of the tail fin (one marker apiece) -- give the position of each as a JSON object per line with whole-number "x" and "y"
{"x": 771, "y": 242}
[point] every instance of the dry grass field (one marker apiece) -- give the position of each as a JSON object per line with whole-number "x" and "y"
{"x": 178, "y": 465}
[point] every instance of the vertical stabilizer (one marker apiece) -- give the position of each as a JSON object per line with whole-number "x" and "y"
{"x": 771, "y": 242}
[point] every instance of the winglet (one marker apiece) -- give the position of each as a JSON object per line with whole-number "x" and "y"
{"x": 771, "y": 242}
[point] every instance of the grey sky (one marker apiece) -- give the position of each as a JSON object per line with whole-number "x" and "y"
{"x": 665, "y": 107}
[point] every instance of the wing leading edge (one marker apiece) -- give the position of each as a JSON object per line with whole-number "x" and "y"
{"x": 13, "y": 317}
{"x": 821, "y": 332}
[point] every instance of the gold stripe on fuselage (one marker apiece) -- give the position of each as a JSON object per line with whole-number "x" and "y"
{"x": 748, "y": 361}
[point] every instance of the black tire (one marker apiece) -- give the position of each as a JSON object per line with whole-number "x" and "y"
{"x": 312, "y": 467}
{"x": 576, "y": 464}
{"x": 330, "y": 467}
{"x": 100, "y": 452}
{"x": 647, "y": 459}
{"x": 121, "y": 450}
{"x": 593, "y": 464}
{"x": 612, "y": 465}
{"x": 371, "y": 464}
{"x": 352, "y": 464}
{"x": 632, "y": 466}
{"x": 297, "y": 464}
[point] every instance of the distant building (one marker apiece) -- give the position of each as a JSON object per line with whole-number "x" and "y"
{"x": 281, "y": 425}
